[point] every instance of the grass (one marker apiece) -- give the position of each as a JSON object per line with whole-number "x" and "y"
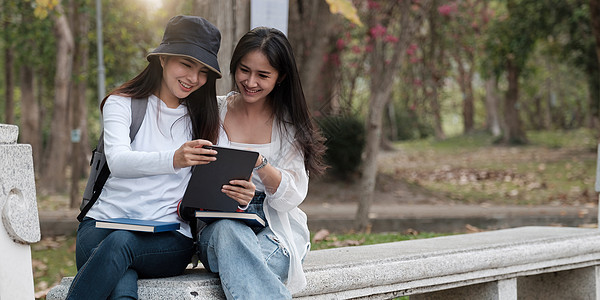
{"x": 52, "y": 259}
{"x": 555, "y": 168}
{"x": 355, "y": 239}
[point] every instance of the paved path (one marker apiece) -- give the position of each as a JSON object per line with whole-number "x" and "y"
{"x": 400, "y": 218}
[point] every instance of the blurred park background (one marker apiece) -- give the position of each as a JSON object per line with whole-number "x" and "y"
{"x": 374, "y": 72}
{"x": 472, "y": 101}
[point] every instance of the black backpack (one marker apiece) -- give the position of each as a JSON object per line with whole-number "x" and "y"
{"x": 99, "y": 170}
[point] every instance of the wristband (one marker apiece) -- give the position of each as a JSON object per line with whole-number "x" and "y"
{"x": 262, "y": 164}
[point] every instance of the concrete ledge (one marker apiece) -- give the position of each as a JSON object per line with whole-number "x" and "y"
{"x": 398, "y": 218}
{"x": 422, "y": 266}
{"x": 194, "y": 284}
{"x": 486, "y": 263}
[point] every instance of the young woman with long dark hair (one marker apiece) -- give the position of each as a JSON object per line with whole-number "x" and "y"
{"x": 149, "y": 174}
{"x": 269, "y": 114}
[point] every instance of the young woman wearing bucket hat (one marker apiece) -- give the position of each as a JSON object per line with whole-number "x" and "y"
{"x": 269, "y": 114}
{"x": 149, "y": 174}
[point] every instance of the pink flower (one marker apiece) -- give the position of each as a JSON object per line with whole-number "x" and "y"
{"x": 417, "y": 82}
{"x": 335, "y": 59}
{"x": 391, "y": 39}
{"x": 378, "y": 31}
{"x": 369, "y": 48}
{"x": 447, "y": 9}
{"x": 340, "y": 44}
{"x": 373, "y": 4}
{"x": 411, "y": 49}
{"x": 356, "y": 49}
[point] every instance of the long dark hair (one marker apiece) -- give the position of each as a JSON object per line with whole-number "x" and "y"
{"x": 201, "y": 104}
{"x": 287, "y": 98}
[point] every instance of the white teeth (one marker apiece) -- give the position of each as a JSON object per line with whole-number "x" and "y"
{"x": 185, "y": 85}
{"x": 251, "y": 91}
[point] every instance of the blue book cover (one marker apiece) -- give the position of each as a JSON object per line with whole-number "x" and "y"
{"x": 137, "y": 225}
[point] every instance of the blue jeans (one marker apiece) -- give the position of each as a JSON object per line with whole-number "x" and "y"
{"x": 251, "y": 262}
{"x": 109, "y": 262}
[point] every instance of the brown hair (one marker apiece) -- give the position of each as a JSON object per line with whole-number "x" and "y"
{"x": 287, "y": 98}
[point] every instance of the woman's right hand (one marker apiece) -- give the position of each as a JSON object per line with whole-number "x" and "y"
{"x": 192, "y": 153}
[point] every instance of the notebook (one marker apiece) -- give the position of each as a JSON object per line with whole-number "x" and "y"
{"x": 204, "y": 188}
{"x": 250, "y": 218}
{"x": 137, "y": 225}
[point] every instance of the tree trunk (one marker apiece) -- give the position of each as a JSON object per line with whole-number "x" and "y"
{"x": 53, "y": 173}
{"x": 369, "y": 172}
{"x": 595, "y": 20}
{"x": 513, "y": 134}
{"x": 435, "y": 69}
{"x": 30, "y": 117}
{"x": 593, "y": 106}
{"x": 466, "y": 86}
{"x": 232, "y": 17}
{"x": 391, "y": 112}
{"x": 324, "y": 92}
{"x": 10, "y": 86}
{"x": 437, "y": 113}
{"x": 306, "y": 19}
{"x": 491, "y": 107}
{"x": 381, "y": 84}
{"x": 80, "y": 28}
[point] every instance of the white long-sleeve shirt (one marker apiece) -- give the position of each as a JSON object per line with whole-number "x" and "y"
{"x": 285, "y": 219}
{"x": 143, "y": 183}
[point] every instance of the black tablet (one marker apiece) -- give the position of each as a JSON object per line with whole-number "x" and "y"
{"x": 204, "y": 188}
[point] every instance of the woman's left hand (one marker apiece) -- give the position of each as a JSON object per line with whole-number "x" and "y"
{"x": 241, "y": 191}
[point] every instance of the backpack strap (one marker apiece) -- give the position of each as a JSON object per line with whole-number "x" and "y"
{"x": 97, "y": 179}
{"x": 138, "y": 111}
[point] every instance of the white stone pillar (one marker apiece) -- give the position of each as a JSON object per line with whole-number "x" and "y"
{"x": 20, "y": 225}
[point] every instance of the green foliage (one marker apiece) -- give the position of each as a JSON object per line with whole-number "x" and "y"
{"x": 130, "y": 30}
{"x": 410, "y": 126}
{"x": 565, "y": 139}
{"x": 550, "y": 100}
{"x": 345, "y": 136}
{"x": 513, "y": 36}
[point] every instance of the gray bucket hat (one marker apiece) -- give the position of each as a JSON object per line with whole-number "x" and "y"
{"x": 192, "y": 37}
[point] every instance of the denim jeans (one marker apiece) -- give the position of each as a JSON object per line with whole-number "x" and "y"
{"x": 251, "y": 262}
{"x": 109, "y": 262}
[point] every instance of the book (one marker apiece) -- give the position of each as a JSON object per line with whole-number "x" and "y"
{"x": 251, "y": 219}
{"x": 204, "y": 188}
{"x": 137, "y": 225}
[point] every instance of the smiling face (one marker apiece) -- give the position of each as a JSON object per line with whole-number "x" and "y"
{"x": 255, "y": 77}
{"x": 181, "y": 77}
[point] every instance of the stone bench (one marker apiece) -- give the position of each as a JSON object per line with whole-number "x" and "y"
{"x": 518, "y": 263}
{"x": 19, "y": 224}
